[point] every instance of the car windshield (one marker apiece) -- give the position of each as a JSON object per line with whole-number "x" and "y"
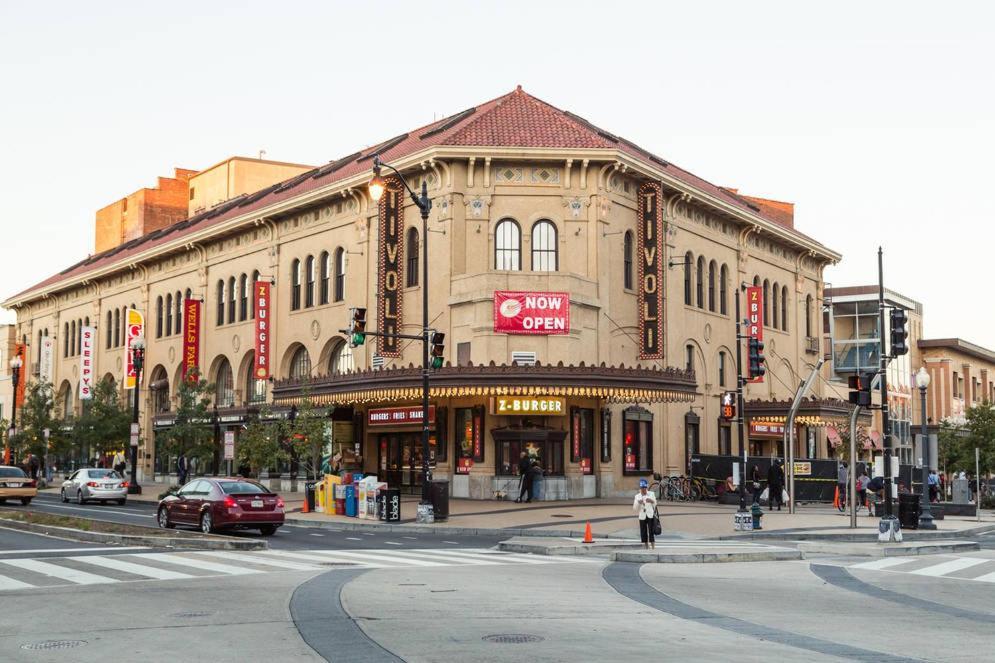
{"x": 12, "y": 472}
{"x": 237, "y": 487}
{"x": 103, "y": 474}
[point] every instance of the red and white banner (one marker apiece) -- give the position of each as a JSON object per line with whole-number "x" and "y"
{"x": 755, "y": 316}
{"x": 531, "y": 312}
{"x": 86, "y": 336}
{"x": 135, "y": 328}
{"x": 191, "y": 336}
{"x": 261, "y": 297}
{"x": 398, "y": 416}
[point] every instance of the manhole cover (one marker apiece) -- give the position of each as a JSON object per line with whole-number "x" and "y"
{"x": 54, "y": 644}
{"x": 188, "y": 615}
{"x": 513, "y": 638}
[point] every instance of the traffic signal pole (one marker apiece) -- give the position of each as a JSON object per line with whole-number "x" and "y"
{"x": 740, "y": 380}
{"x": 888, "y": 524}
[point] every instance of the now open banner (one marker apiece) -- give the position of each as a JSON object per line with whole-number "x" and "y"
{"x": 542, "y": 313}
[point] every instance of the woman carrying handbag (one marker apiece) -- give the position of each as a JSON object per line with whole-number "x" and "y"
{"x": 644, "y": 505}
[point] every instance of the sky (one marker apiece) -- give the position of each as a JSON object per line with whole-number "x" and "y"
{"x": 876, "y": 119}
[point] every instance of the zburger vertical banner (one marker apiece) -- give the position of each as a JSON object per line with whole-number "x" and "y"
{"x": 755, "y": 316}
{"x": 389, "y": 264}
{"x": 136, "y": 326}
{"x": 650, "y": 248}
{"x": 86, "y": 335}
{"x": 261, "y": 293}
{"x": 191, "y": 336}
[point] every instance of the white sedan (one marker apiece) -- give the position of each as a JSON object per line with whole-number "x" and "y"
{"x": 95, "y": 484}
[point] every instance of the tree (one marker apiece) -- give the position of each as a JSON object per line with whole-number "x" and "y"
{"x": 191, "y": 433}
{"x": 259, "y": 444}
{"x": 951, "y": 449}
{"x": 104, "y": 425}
{"x": 34, "y": 418}
{"x": 980, "y": 435}
{"x": 309, "y": 435}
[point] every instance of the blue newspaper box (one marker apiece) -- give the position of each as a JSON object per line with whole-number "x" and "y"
{"x": 351, "y": 506}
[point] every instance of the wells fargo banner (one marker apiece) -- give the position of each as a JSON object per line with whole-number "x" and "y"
{"x": 135, "y": 328}
{"x": 650, "y": 246}
{"x": 191, "y": 336}
{"x": 390, "y": 304}
{"x": 755, "y": 316}
{"x": 531, "y": 312}
{"x": 86, "y": 337}
{"x": 261, "y": 295}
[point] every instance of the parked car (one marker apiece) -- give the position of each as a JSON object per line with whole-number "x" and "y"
{"x": 220, "y": 504}
{"x": 15, "y": 484}
{"x": 95, "y": 484}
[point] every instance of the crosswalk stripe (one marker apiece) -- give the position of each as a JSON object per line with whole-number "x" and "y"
{"x": 10, "y": 583}
{"x": 386, "y": 557}
{"x": 252, "y": 559}
{"x": 443, "y": 556}
{"x": 988, "y": 577}
{"x": 311, "y": 557}
{"x": 61, "y": 572}
{"x": 949, "y": 567}
{"x": 884, "y": 563}
{"x": 131, "y": 567}
{"x": 199, "y": 564}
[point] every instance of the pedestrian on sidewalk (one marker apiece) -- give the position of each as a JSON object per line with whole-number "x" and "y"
{"x": 525, "y": 477}
{"x": 644, "y": 505}
{"x": 934, "y": 486}
{"x": 862, "y": 482}
{"x": 181, "y": 469}
{"x": 756, "y": 484}
{"x": 775, "y": 484}
{"x": 119, "y": 462}
{"x": 842, "y": 477}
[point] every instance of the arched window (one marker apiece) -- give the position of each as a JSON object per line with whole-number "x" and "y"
{"x": 169, "y": 314}
{"x": 224, "y": 394}
{"x": 544, "y": 253}
{"x": 309, "y": 282}
{"x": 295, "y": 285}
{"x": 507, "y": 246}
{"x": 627, "y": 260}
{"x": 158, "y": 316}
{"x": 724, "y": 290}
{"x": 255, "y": 279}
{"x": 231, "y": 299}
{"x": 72, "y": 341}
{"x": 688, "y": 262}
{"x": 243, "y": 297}
{"x": 38, "y": 355}
{"x": 699, "y": 275}
{"x": 300, "y": 364}
{"x": 67, "y": 402}
{"x": 784, "y": 308}
{"x": 808, "y": 315}
{"x": 775, "y": 306}
{"x": 255, "y": 389}
{"x": 711, "y": 286}
{"x": 220, "y": 318}
{"x": 325, "y": 265}
{"x": 413, "y": 253}
{"x": 766, "y": 302}
{"x": 339, "y": 274}
{"x": 188, "y": 294}
{"x": 79, "y": 336}
{"x": 65, "y": 339}
{"x": 178, "y": 306}
{"x": 108, "y": 332}
{"x": 117, "y": 327}
{"x": 124, "y": 323}
{"x": 159, "y": 386}
{"x": 341, "y": 360}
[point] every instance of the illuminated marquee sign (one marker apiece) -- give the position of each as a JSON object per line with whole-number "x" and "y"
{"x": 261, "y": 294}
{"x": 545, "y": 406}
{"x": 398, "y": 416}
{"x": 650, "y": 248}
{"x": 390, "y": 263}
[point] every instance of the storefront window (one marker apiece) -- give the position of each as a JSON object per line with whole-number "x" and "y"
{"x": 725, "y": 438}
{"x": 548, "y": 453}
{"x": 469, "y": 436}
{"x": 606, "y": 435}
{"x": 582, "y": 439}
{"x": 637, "y": 440}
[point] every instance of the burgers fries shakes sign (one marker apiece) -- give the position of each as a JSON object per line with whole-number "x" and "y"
{"x": 650, "y": 272}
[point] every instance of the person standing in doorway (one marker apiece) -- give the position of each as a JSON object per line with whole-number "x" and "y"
{"x": 644, "y": 504}
{"x": 524, "y": 476}
{"x": 775, "y": 484}
{"x": 181, "y": 469}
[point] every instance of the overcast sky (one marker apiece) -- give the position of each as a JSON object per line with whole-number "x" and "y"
{"x": 877, "y": 119}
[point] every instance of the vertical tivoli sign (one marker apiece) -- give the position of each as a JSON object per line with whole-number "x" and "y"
{"x": 390, "y": 262}
{"x": 650, "y": 271}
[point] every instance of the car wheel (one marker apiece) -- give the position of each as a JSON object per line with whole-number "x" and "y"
{"x": 206, "y": 522}
{"x": 25, "y": 501}
{"x": 3, "y": 500}
{"x": 79, "y": 497}
{"x": 62, "y": 494}
{"x": 267, "y": 530}
{"x": 163, "y": 518}
{"x": 121, "y": 502}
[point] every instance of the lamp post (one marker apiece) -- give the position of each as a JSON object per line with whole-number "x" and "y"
{"x": 15, "y": 377}
{"x": 46, "y": 433}
{"x": 424, "y": 204}
{"x": 137, "y": 355}
{"x": 925, "y": 515}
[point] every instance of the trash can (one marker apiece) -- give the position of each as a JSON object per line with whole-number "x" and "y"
{"x": 309, "y": 487}
{"x": 438, "y": 491}
{"x": 908, "y": 510}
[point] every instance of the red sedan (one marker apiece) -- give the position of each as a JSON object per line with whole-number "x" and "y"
{"x": 219, "y": 504}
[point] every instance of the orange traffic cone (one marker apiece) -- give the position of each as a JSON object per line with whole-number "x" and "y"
{"x": 588, "y": 538}
{"x": 304, "y": 508}
{"x": 836, "y": 498}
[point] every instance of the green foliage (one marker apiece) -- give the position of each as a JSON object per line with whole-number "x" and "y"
{"x": 193, "y": 431}
{"x": 32, "y": 420}
{"x": 259, "y": 444}
{"x": 309, "y": 434}
{"x": 957, "y": 443}
{"x": 105, "y": 423}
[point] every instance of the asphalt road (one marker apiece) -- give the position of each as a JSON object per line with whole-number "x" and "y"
{"x": 287, "y": 537}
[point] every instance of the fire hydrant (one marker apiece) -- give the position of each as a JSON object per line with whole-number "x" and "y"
{"x": 757, "y": 516}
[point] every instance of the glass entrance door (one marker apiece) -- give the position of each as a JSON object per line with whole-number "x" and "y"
{"x": 400, "y": 460}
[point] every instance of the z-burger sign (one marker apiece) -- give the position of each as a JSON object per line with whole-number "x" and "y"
{"x": 542, "y": 313}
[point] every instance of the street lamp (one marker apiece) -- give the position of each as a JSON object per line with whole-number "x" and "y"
{"x": 137, "y": 355}
{"x": 424, "y": 204}
{"x": 46, "y": 433}
{"x": 925, "y": 516}
{"x": 15, "y": 377}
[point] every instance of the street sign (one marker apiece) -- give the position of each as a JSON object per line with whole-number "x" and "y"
{"x": 134, "y": 434}
{"x": 229, "y": 445}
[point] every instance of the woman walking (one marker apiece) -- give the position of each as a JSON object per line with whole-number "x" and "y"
{"x": 775, "y": 483}
{"x": 644, "y": 505}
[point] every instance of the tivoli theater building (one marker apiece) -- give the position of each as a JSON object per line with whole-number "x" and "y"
{"x": 586, "y": 288}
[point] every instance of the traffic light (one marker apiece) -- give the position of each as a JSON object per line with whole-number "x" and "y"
{"x": 438, "y": 348}
{"x": 357, "y": 327}
{"x": 860, "y": 388}
{"x": 728, "y": 405}
{"x": 757, "y": 359}
{"x": 899, "y": 336}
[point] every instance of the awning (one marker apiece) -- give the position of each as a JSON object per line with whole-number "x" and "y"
{"x": 815, "y": 412}
{"x": 613, "y": 384}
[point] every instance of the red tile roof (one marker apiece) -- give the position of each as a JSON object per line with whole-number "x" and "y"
{"x": 516, "y": 119}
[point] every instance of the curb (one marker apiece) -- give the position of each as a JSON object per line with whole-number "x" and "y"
{"x": 137, "y": 540}
{"x": 448, "y": 531}
{"x": 855, "y": 537}
{"x": 707, "y": 558}
{"x": 579, "y": 550}
{"x": 887, "y": 549}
